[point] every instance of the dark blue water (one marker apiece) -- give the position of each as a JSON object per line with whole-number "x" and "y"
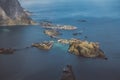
{"x": 103, "y": 20}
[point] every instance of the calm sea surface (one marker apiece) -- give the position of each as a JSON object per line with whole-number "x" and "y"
{"x": 103, "y": 26}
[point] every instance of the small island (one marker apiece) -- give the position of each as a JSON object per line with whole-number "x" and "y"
{"x": 86, "y": 49}
{"x": 52, "y": 33}
{"x": 7, "y": 51}
{"x": 68, "y": 73}
{"x": 83, "y": 48}
{"x": 46, "y": 45}
{"x": 48, "y": 25}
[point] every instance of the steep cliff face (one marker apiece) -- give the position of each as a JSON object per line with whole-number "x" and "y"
{"x": 11, "y": 13}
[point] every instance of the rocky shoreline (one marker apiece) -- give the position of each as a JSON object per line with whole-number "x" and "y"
{"x": 13, "y": 14}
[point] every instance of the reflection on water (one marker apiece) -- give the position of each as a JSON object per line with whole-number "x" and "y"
{"x": 33, "y": 64}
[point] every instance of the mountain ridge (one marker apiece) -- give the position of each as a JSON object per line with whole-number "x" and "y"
{"x": 11, "y": 13}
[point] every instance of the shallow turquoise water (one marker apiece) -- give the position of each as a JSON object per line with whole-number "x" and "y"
{"x": 33, "y": 64}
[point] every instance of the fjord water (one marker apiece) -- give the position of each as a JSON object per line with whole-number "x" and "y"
{"x": 103, "y": 20}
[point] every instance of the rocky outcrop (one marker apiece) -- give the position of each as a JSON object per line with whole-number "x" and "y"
{"x": 43, "y": 45}
{"x": 52, "y": 33}
{"x": 68, "y": 41}
{"x": 7, "y": 50}
{"x": 68, "y": 73}
{"x": 49, "y": 25}
{"x": 11, "y": 13}
{"x": 86, "y": 49}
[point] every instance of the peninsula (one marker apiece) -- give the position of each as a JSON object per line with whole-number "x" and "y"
{"x": 11, "y": 13}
